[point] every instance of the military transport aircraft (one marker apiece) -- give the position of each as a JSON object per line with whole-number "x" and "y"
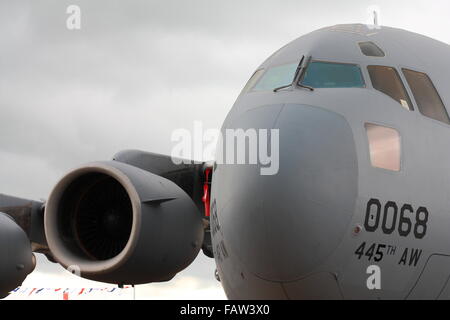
{"x": 364, "y": 170}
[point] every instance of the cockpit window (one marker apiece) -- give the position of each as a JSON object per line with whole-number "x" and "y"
{"x": 387, "y": 81}
{"x": 254, "y": 78}
{"x": 427, "y": 98}
{"x": 321, "y": 74}
{"x": 370, "y": 49}
{"x": 276, "y": 77}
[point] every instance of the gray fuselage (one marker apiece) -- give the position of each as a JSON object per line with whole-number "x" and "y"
{"x": 302, "y": 233}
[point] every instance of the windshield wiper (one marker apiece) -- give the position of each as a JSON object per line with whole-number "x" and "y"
{"x": 297, "y": 81}
{"x": 305, "y": 86}
{"x": 282, "y": 87}
{"x": 298, "y": 74}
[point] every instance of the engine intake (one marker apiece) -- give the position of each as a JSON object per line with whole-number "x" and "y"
{"x": 120, "y": 224}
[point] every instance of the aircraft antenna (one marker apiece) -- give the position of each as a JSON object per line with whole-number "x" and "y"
{"x": 375, "y": 18}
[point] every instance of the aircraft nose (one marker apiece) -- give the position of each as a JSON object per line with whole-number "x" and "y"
{"x": 283, "y": 226}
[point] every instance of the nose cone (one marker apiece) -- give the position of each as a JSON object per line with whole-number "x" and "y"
{"x": 283, "y": 226}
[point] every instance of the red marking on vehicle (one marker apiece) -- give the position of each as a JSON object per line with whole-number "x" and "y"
{"x": 207, "y": 192}
{"x": 65, "y": 295}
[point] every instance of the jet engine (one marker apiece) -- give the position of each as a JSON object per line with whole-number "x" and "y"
{"x": 117, "y": 223}
{"x": 16, "y": 258}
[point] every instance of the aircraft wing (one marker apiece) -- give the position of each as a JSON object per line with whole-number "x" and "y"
{"x": 139, "y": 218}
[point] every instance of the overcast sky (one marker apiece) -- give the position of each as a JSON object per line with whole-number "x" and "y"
{"x": 136, "y": 71}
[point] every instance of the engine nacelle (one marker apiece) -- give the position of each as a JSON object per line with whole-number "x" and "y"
{"x": 120, "y": 224}
{"x": 16, "y": 258}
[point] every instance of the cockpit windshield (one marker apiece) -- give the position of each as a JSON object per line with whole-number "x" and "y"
{"x": 276, "y": 77}
{"x": 321, "y": 74}
{"x": 318, "y": 74}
